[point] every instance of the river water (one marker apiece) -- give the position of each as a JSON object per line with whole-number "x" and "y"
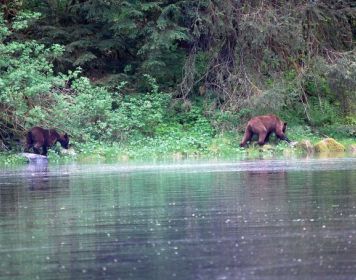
{"x": 260, "y": 219}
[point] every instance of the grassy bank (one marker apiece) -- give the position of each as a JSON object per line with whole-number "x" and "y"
{"x": 179, "y": 146}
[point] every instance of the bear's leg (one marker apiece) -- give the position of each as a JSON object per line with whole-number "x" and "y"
{"x": 27, "y": 148}
{"x": 44, "y": 150}
{"x": 29, "y": 142}
{"x": 247, "y": 137}
{"x": 36, "y": 149}
{"x": 262, "y": 137}
{"x": 267, "y": 137}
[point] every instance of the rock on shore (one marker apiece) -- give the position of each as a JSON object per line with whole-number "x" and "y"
{"x": 34, "y": 157}
{"x": 328, "y": 145}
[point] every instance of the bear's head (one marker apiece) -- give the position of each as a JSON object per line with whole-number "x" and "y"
{"x": 64, "y": 140}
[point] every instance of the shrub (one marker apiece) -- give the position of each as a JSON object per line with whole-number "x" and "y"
{"x": 31, "y": 94}
{"x": 94, "y": 113}
{"x": 26, "y": 81}
{"x": 342, "y": 80}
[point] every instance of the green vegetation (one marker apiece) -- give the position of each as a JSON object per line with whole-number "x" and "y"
{"x": 155, "y": 79}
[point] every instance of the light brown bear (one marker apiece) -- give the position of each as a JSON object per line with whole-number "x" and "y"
{"x": 263, "y": 126}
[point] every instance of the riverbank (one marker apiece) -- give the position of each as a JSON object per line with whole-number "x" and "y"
{"x": 176, "y": 147}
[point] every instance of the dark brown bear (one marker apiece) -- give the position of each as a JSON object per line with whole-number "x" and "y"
{"x": 38, "y": 138}
{"x": 263, "y": 126}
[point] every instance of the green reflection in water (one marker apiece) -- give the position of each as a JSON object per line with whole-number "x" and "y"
{"x": 186, "y": 225}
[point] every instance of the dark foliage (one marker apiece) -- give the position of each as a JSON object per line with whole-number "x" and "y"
{"x": 237, "y": 58}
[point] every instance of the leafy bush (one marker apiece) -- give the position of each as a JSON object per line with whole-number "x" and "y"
{"x": 26, "y": 81}
{"x": 342, "y": 80}
{"x": 224, "y": 121}
{"x": 339, "y": 131}
{"x": 94, "y": 113}
{"x": 31, "y": 94}
{"x": 322, "y": 113}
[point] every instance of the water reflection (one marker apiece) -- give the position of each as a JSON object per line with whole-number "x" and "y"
{"x": 40, "y": 179}
{"x": 236, "y": 220}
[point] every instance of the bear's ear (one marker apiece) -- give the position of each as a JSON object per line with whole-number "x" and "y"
{"x": 66, "y": 136}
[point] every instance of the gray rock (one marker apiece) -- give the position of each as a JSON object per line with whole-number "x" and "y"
{"x": 305, "y": 146}
{"x": 34, "y": 157}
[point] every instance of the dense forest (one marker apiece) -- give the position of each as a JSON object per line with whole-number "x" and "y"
{"x": 123, "y": 71}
